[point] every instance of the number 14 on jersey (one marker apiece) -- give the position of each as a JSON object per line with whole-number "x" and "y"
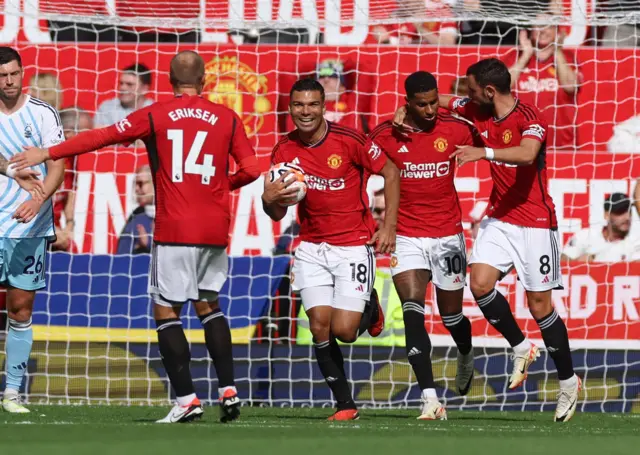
{"x": 206, "y": 169}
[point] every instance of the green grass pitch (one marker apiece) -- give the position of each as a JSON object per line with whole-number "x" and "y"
{"x": 93, "y": 430}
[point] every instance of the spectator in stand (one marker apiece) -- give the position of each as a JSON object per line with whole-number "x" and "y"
{"x": 460, "y": 87}
{"x": 546, "y": 75}
{"x": 443, "y": 33}
{"x": 378, "y": 207}
{"x": 137, "y": 235}
{"x": 46, "y": 87}
{"x": 624, "y": 34}
{"x": 74, "y": 120}
{"x": 626, "y": 136}
{"x": 340, "y": 103}
{"x": 133, "y": 86}
{"x": 611, "y": 243}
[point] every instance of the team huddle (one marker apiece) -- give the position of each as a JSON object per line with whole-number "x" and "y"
{"x": 334, "y": 265}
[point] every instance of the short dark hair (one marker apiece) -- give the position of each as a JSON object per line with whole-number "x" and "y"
{"x": 307, "y": 85}
{"x": 420, "y": 82}
{"x": 8, "y": 55}
{"x": 491, "y": 71}
{"x": 140, "y": 70}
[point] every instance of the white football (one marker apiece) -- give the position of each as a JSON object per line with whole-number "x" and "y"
{"x": 296, "y": 173}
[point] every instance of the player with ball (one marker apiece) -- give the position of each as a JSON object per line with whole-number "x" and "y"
{"x": 325, "y": 167}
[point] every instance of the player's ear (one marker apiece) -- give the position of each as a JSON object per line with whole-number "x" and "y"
{"x": 489, "y": 92}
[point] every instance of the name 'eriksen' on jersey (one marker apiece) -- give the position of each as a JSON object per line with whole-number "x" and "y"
{"x": 189, "y": 112}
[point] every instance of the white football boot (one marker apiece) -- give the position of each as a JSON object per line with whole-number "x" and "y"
{"x": 521, "y": 366}
{"x": 184, "y": 414}
{"x": 568, "y": 401}
{"x": 432, "y": 410}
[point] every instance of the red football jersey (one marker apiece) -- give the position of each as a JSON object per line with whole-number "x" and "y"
{"x": 538, "y": 85}
{"x": 336, "y": 208}
{"x": 429, "y": 205}
{"x": 519, "y": 195}
{"x": 189, "y": 140}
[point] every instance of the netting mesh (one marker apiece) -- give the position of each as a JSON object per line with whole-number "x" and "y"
{"x": 94, "y": 330}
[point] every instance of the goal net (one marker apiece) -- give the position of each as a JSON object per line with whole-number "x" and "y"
{"x": 94, "y": 334}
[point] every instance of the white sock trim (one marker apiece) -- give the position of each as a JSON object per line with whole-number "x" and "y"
{"x": 522, "y": 348}
{"x": 186, "y": 400}
{"x": 429, "y": 394}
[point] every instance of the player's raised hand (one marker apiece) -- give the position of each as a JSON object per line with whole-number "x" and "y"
{"x": 32, "y": 156}
{"x": 384, "y": 239}
{"x": 526, "y": 46}
{"x": 27, "y": 210}
{"x": 467, "y": 154}
{"x": 29, "y": 181}
{"x": 398, "y": 121}
{"x": 279, "y": 191}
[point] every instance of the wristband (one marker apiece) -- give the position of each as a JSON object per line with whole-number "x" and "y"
{"x": 489, "y": 153}
{"x": 11, "y": 171}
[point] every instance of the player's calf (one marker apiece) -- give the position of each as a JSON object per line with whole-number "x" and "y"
{"x": 418, "y": 347}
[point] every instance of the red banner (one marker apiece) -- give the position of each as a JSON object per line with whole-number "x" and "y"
{"x": 600, "y": 305}
{"x": 255, "y": 80}
{"x": 251, "y": 79}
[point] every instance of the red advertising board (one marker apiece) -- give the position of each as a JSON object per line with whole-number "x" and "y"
{"x": 600, "y": 302}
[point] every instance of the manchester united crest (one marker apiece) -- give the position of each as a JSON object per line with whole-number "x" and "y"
{"x": 334, "y": 161}
{"x": 440, "y": 144}
{"x": 239, "y": 87}
{"x": 394, "y": 261}
{"x": 507, "y": 136}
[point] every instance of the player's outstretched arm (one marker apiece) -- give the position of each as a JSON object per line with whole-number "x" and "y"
{"x": 87, "y": 141}
{"x": 521, "y": 155}
{"x": 277, "y": 193}
{"x": 385, "y": 237}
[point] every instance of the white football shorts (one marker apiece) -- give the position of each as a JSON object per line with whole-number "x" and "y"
{"x": 533, "y": 252}
{"x": 178, "y": 274}
{"x": 349, "y": 270}
{"x": 445, "y": 257}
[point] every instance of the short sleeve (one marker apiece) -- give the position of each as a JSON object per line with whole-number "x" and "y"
{"x": 370, "y": 156}
{"x": 575, "y": 247}
{"x": 52, "y": 133}
{"x": 461, "y": 106}
{"x": 535, "y": 128}
{"x": 135, "y": 126}
{"x": 240, "y": 146}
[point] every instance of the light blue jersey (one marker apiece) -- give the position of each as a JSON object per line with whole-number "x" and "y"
{"x": 37, "y": 124}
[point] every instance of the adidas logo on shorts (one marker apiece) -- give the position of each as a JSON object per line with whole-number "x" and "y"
{"x": 545, "y": 279}
{"x": 360, "y": 288}
{"x": 457, "y": 280}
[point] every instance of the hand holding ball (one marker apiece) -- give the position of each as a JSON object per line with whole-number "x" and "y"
{"x": 294, "y": 178}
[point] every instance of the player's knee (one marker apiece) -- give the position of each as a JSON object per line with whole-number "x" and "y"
{"x": 320, "y": 330}
{"x": 480, "y": 286}
{"x": 20, "y": 309}
{"x": 539, "y": 304}
{"x": 21, "y": 314}
{"x": 346, "y": 335}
